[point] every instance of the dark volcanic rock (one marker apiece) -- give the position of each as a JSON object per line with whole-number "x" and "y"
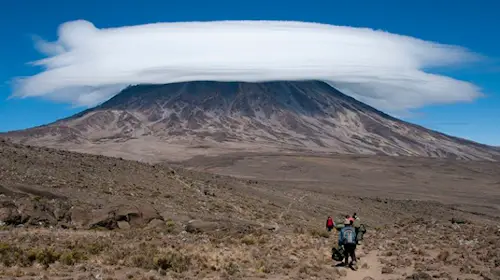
{"x": 135, "y": 216}
{"x": 34, "y": 211}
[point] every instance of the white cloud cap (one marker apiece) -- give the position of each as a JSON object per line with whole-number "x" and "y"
{"x": 86, "y": 65}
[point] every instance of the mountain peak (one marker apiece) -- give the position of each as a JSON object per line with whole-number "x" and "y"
{"x": 290, "y": 115}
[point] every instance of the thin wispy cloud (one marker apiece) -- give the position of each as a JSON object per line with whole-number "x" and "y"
{"x": 87, "y": 65}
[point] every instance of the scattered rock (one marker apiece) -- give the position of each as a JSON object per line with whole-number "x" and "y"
{"x": 197, "y": 226}
{"x": 155, "y": 223}
{"x": 340, "y": 272}
{"x": 123, "y": 225}
{"x": 146, "y": 213}
{"x": 104, "y": 219}
{"x": 208, "y": 192}
{"x": 488, "y": 276}
{"x": 8, "y": 213}
{"x": 444, "y": 275}
{"x": 387, "y": 270}
{"x": 274, "y": 227}
{"x": 368, "y": 278}
{"x": 458, "y": 221}
{"x": 151, "y": 275}
{"x": 419, "y": 276}
{"x": 443, "y": 256}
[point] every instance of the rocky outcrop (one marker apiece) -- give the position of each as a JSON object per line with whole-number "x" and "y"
{"x": 19, "y": 208}
{"x": 33, "y": 211}
{"x": 116, "y": 216}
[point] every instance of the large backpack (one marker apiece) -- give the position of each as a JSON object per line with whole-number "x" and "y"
{"x": 339, "y": 223}
{"x": 349, "y": 235}
{"x": 338, "y": 254}
{"x": 361, "y": 232}
{"x": 357, "y": 223}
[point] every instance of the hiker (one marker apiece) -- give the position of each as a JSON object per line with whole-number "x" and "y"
{"x": 357, "y": 225}
{"x": 355, "y": 216}
{"x": 349, "y": 218}
{"x": 329, "y": 223}
{"x": 347, "y": 239}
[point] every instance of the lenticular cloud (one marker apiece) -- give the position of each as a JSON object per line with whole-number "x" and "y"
{"x": 86, "y": 65}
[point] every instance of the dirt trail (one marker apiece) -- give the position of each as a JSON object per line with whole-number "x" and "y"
{"x": 373, "y": 268}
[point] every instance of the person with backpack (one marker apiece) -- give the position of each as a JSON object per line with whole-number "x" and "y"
{"x": 347, "y": 239}
{"x": 357, "y": 224}
{"x": 329, "y": 224}
{"x": 355, "y": 216}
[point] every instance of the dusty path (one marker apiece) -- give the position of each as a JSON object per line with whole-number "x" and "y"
{"x": 369, "y": 267}
{"x": 372, "y": 269}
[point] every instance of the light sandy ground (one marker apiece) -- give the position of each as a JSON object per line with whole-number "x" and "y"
{"x": 373, "y": 270}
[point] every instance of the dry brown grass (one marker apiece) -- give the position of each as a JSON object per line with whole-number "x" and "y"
{"x": 177, "y": 255}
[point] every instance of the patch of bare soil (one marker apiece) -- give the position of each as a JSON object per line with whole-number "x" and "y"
{"x": 454, "y": 182}
{"x": 66, "y": 215}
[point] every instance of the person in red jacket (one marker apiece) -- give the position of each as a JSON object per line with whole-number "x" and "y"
{"x": 329, "y": 224}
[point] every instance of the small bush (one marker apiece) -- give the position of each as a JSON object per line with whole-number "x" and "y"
{"x": 142, "y": 261}
{"x": 262, "y": 268}
{"x": 320, "y": 233}
{"x": 11, "y": 255}
{"x": 170, "y": 226}
{"x": 96, "y": 248}
{"x": 248, "y": 240}
{"x": 299, "y": 230}
{"x": 232, "y": 268}
{"x": 72, "y": 257}
{"x": 44, "y": 256}
{"x": 172, "y": 261}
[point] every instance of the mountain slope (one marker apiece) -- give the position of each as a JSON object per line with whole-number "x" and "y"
{"x": 308, "y": 115}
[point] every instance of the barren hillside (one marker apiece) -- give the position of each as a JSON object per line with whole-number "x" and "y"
{"x": 75, "y": 216}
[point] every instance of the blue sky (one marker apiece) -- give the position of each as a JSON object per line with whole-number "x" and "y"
{"x": 472, "y": 24}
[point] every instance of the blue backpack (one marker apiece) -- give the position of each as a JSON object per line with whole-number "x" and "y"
{"x": 348, "y": 235}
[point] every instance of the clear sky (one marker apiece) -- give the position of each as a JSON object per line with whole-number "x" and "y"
{"x": 469, "y": 23}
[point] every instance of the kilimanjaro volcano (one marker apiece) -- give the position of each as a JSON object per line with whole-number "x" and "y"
{"x": 189, "y": 118}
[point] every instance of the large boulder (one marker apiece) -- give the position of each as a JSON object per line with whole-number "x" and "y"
{"x": 198, "y": 226}
{"x": 36, "y": 211}
{"x": 79, "y": 216}
{"x": 9, "y": 213}
{"x": 104, "y": 218}
{"x": 155, "y": 223}
{"x": 134, "y": 215}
